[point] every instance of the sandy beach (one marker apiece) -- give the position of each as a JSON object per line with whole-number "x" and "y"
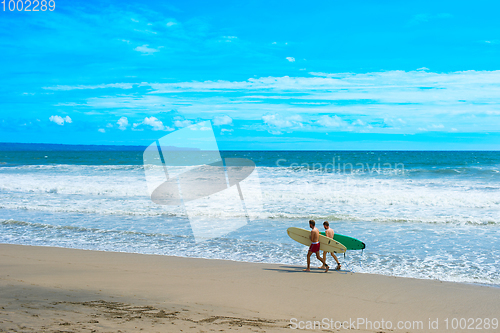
{"x": 46, "y": 289}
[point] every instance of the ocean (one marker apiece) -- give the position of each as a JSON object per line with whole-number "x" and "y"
{"x": 421, "y": 214}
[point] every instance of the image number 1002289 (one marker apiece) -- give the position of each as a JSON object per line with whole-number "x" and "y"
{"x": 28, "y": 5}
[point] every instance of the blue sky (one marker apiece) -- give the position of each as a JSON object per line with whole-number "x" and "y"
{"x": 268, "y": 74}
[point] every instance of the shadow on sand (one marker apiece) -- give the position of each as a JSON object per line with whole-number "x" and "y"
{"x": 299, "y": 269}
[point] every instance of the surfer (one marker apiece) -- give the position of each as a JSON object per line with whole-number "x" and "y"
{"x": 314, "y": 248}
{"x": 329, "y": 233}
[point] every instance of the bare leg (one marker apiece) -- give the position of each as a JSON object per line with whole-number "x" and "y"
{"x": 337, "y": 260}
{"x": 308, "y": 269}
{"x": 324, "y": 262}
{"x": 324, "y": 259}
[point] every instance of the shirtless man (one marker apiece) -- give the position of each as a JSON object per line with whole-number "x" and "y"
{"x": 314, "y": 248}
{"x": 329, "y": 233}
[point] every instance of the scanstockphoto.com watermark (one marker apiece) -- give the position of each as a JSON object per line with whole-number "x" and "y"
{"x": 336, "y": 166}
{"x": 414, "y": 325}
{"x": 353, "y": 324}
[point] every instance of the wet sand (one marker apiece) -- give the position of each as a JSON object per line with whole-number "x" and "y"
{"x": 46, "y": 289}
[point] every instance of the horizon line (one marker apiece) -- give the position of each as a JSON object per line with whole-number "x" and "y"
{"x": 223, "y": 150}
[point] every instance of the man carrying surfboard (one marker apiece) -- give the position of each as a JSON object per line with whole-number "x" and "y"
{"x": 314, "y": 248}
{"x": 330, "y": 234}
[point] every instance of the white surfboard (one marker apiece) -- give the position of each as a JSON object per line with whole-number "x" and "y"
{"x": 326, "y": 244}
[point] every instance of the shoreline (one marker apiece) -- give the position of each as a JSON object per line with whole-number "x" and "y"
{"x": 52, "y": 288}
{"x": 264, "y": 263}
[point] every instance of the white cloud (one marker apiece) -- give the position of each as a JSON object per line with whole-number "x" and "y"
{"x": 146, "y": 31}
{"x": 229, "y": 39}
{"x": 331, "y": 122}
{"x": 60, "y": 120}
{"x": 122, "y": 123}
{"x": 385, "y": 100}
{"x": 359, "y": 122}
{"x": 145, "y": 49}
{"x": 394, "y": 122}
{"x": 135, "y": 127}
{"x": 295, "y": 118}
{"x": 222, "y": 120}
{"x": 171, "y": 23}
{"x": 155, "y": 123}
{"x": 277, "y": 122}
{"x": 291, "y": 59}
{"x": 225, "y": 130}
{"x": 182, "y": 123}
{"x": 390, "y": 86}
{"x": 109, "y": 125}
{"x": 57, "y": 119}
{"x": 102, "y": 130}
{"x": 431, "y": 127}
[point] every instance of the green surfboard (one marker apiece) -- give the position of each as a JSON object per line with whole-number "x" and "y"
{"x": 350, "y": 243}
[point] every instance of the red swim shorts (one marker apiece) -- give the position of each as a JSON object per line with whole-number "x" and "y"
{"x": 314, "y": 247}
